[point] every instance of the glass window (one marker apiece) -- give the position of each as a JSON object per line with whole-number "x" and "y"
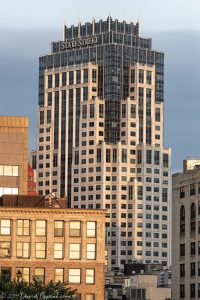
{"x": 90, "y": 276}
{"x": 1, "y": 170}
{"x": 5, "y": 227}
{"x": 59, "y": 275}
{"x": 40, "y": 228}
{"x": 23, "y": 250}
{"x": 75, "y": 228}
{"x": 15, "y": 171}
{"x": 91, "y": 251}
{"x": 23, "y": 227}
{"x": 74, "y": 275}
{"x": 89, "y": 297}
{"x": 23, "y": 274}
{"x": 40, "y": 274}
{"x": 58, "y": 250}
{"x": 85, "y": 75}
{"x": 58, "y": 228}
{"x": 7, "y": 170}
{"x": 5, "y": 250}
{"x": 74, "y": 251}
{"x": 40, "y": 250}
{"x": 91, "y": 229}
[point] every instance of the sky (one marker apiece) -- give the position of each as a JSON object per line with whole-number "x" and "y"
{"x": 28, "y": 27}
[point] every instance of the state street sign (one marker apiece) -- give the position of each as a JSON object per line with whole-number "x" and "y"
{"x": 65, "y": 45}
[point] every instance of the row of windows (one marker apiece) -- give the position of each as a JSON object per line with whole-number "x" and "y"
{"x": 8, "y": 191}
{"x": 9, "y": 170}
{"x": 192, "y": 291}
{"x": 143, "y": 76}
{"x": 23, "y": 250}
{"x": 194, "y": 189}
{"x": 154, "y": 253}
{"x": 74, "y": 275}
{"x": 23, "y": 228}
{"x": 74, "y": 77}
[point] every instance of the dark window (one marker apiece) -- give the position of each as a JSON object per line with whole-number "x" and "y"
{"x": 192, "y": 189}
{"x": 71, "y": 77}
{"x": 192, "y": 290}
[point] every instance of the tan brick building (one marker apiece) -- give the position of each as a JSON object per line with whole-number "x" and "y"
{"x": 54, "y": 244}
{"x": 13, "y": 155}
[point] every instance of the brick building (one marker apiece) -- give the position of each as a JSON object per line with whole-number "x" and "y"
{"x": 38, "y": 237}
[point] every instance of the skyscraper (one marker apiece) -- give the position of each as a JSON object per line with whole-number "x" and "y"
{"x": 100, "y": 134}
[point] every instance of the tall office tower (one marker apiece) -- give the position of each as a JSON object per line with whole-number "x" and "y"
{"x": 186, "y": 230}
{"x": 100, "y": 134}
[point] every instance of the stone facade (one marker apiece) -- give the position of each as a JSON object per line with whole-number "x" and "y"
{"x": 185, "y": 232}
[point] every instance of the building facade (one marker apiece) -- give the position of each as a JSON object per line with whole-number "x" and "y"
{"x": 13, "y": 155}
{"x": 54, "y": 244}
{"x": 185, "y": 233}
{"x": 100, "y": 134}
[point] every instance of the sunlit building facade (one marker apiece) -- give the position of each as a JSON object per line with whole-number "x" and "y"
{"x": 100, "y": 134}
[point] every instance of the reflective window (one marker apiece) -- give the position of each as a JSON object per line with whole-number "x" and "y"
{"x": 75, "y": 228}
{"x": 91, "y": 251}
{"x": 58, "y": 228}
{"x": 91, "y": 229}
{"x": 74, "y": 275}
{"x": 23, "y": 274}
{"x": 90, "y": 276}
{"x": 5, "y": 250}
{"x": 23, "y": 227}
{"x": 59, "y": 275}
{"x": 89, "y": 297}
{"x": 5, "y": 227}
{"x": 58, "y": 250}
{"x": 23, "y": 250}
{"x": 40, "y": 274}
{"x": 40, "y": 250}
{"x": 74, "y": 251}
{"x": 9, "y": 170}
{"x": 40, "y": 228}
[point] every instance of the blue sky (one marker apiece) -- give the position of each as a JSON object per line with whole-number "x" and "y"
{"x": 28, "y": 27}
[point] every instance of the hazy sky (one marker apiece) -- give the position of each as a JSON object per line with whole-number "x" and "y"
{"x": 154, "y": 14}
{"x": 28, "y": 27}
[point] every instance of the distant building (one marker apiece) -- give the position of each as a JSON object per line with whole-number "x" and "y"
{"x": 13, "y": 155}
{"x": 185, "y": 233}
{"x": 32, "y": 186}
{"x": 33, "y": 159}
{"x": 38, "y": 237}
{"x": 144, "y": 286}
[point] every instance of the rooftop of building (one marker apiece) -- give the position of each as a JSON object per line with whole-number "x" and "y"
{"x": 13, "y": 121}
{"x": 83, "y": 30}
{"x": 35, "y": 202}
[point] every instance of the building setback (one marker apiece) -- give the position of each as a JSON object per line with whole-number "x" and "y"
{"x": 186, "y": 230}
{"x": 40, "y": 238}
{"x": 100, "y": 135}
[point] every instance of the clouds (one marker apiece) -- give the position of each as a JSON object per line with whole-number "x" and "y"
{"x": 19, "y": 52}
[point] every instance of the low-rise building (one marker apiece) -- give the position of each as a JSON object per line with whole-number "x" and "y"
{"x": 38, "y": 237}
{"x": 144, "y": 286}
{"x": 186, "y": 232}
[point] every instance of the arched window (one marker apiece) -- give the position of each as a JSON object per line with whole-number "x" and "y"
{"x": 182, "y": 220}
